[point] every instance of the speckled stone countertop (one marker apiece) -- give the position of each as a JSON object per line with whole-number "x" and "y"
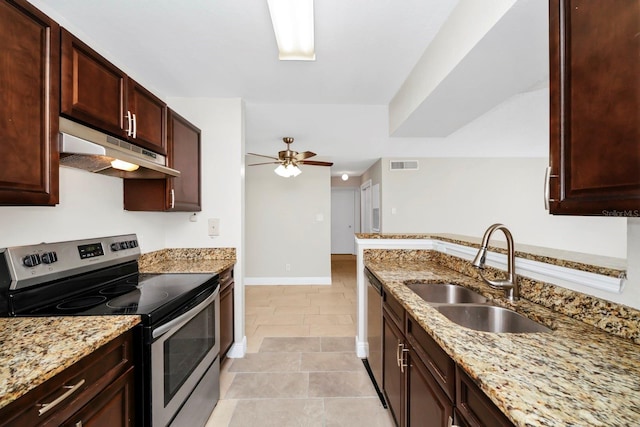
{"x": 34, "y": 349}
{"x": 607, "y": 266}
{"x": 187, "y": 260}
{"x": 577, "y": 375}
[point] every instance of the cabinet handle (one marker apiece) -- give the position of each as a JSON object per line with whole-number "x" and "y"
{"x": 400, "y": 345}
{"x": 451, "y": 424}
{"x": 547, "y": 177}
{"x": 46, "y": 407}
{"x": 403, "y": 359}
{"x": 135, "y": 125}
{"x": 129, "y": 124}
{"x": 173, "y": 198}
{"x": 79, "y": 424}
{"x": 547, "y": 187}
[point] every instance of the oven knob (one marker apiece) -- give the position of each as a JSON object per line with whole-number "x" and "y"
{"x": 115, "y": 247}
{"x": 31, "y": 260}
{"x": 133, "y": 244}
{"x": 124, "y": 245}
{"x": 49, "y": 257}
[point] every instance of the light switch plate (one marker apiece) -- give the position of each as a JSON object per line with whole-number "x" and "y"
{"x": 214, "y": 227}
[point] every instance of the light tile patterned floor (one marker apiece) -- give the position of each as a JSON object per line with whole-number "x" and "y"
{"x": 301, "y": 368}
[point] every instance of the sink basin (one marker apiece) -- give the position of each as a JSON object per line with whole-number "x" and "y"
{"x": 489, "y": 318}
{"x": 445, "y": 293}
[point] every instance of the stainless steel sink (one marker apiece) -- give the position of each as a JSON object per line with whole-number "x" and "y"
{"x": 445, "y": 293}
{"x": 489, "y": 318}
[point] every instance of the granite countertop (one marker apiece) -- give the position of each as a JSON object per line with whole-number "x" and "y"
{"x": 608, "y": 266}
{"x": 577, "y": 375}
{"x": 34, "y": 349}
{"x": 204, "y": 260}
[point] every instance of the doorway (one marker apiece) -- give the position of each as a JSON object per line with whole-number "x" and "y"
{"x": 344, "y": 224}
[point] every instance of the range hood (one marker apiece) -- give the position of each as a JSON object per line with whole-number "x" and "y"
{"x": 84, "y": 148}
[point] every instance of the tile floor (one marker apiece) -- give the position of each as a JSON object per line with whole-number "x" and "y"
{"x": 301, "y": 368}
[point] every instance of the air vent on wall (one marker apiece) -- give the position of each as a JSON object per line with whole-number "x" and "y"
{"x": 403, "y": 165}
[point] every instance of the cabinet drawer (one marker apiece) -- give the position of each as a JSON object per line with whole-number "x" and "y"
{"x": 437, "y": 361}
{"x": 474, "y": 407}
{"x": 80, "y": 383}
{"x": 394, "y": 309}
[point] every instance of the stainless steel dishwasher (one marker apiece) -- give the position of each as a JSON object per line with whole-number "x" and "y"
{"x": 373, "y": 363}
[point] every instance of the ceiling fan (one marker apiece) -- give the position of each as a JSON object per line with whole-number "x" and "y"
{"x": 289, "y": 160}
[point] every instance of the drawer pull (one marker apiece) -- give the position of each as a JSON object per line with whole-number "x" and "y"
{"x": 403, "y": 360}
{"x": 46, "y": 407}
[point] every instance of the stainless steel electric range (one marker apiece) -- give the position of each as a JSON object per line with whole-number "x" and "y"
{"x": 178, "y": 351}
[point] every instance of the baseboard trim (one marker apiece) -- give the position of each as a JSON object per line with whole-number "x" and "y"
{"x": 287, "y": 280}
{"x": 238, "y": 350}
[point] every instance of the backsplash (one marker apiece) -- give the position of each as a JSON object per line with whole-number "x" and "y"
{"x": 613, "y": 318}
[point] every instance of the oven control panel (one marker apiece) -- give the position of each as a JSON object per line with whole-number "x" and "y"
{"x": 44, "y": 262}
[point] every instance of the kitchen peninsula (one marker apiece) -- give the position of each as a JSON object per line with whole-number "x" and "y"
{"x": 582, "y": 373}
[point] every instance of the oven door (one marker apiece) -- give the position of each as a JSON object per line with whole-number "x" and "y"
{"x": 183, "y": 352}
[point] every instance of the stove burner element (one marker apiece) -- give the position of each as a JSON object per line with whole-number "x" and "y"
{"x": 137, "y": 299}
{"x": 121, "y": 288}
{"x": 81, "y": 302}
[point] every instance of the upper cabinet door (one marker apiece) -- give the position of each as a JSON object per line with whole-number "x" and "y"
{"x": 184, "y": 145}
{"x": 97, "y": 93}
{"x": 595, "y": 107}
{"x": 92, "y": 88}
{"x": 149, "y": 116}
{"x": 29, "y": 83}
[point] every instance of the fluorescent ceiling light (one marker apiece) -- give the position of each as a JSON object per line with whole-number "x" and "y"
{"x": 293, "y": 25}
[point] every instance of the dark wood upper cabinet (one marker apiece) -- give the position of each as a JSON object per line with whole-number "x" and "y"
{"x": 92, "y": 88}
{"x": 97, "y": 93}
{"x": 29, "y": 83}
{"x": 150, "y": 117}
{"x": 594, "y": 107}
{"x": 172, "y": 194}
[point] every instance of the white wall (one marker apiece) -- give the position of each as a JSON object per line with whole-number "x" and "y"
{"x": 91, "y": 205}
{"x": 288, "y": 221}
{"x": 466, "y": 195}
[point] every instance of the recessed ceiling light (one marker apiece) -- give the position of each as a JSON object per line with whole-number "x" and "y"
{"x": 293, "y": 26}
{"x": 345, "y": 177}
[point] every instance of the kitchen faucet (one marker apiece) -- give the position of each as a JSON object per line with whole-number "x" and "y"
{"x": 510, "y": 285}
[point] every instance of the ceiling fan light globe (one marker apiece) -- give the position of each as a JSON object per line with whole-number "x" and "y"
{"x": 294, "y": 170}
{"x": 282, "y": 171}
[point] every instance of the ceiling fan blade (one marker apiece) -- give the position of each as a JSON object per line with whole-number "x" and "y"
{"x": 262, "y": 155}
{"x": 304, "y": 155}
{"x": 314, "y": 163}
{"x": 267, "y": 163}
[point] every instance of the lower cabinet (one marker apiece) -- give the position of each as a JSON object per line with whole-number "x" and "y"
{"x": 226, "y": 311}
{"x": 393, "y": 379}
{"x": 427, "y": 404}
{"x": 98, "y": 390}
{"x": 422, "y": 384}
{"x": 474, "y": 407}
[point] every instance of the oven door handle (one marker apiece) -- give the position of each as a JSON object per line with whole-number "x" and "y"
{"x": 178, "y": 322}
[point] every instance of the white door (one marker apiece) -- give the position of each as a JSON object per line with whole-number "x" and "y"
{"x": 343, "y": 215}
{"x": 365, "y": 207}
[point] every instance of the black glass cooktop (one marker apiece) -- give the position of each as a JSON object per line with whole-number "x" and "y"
{"x": 148, "y": 295}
